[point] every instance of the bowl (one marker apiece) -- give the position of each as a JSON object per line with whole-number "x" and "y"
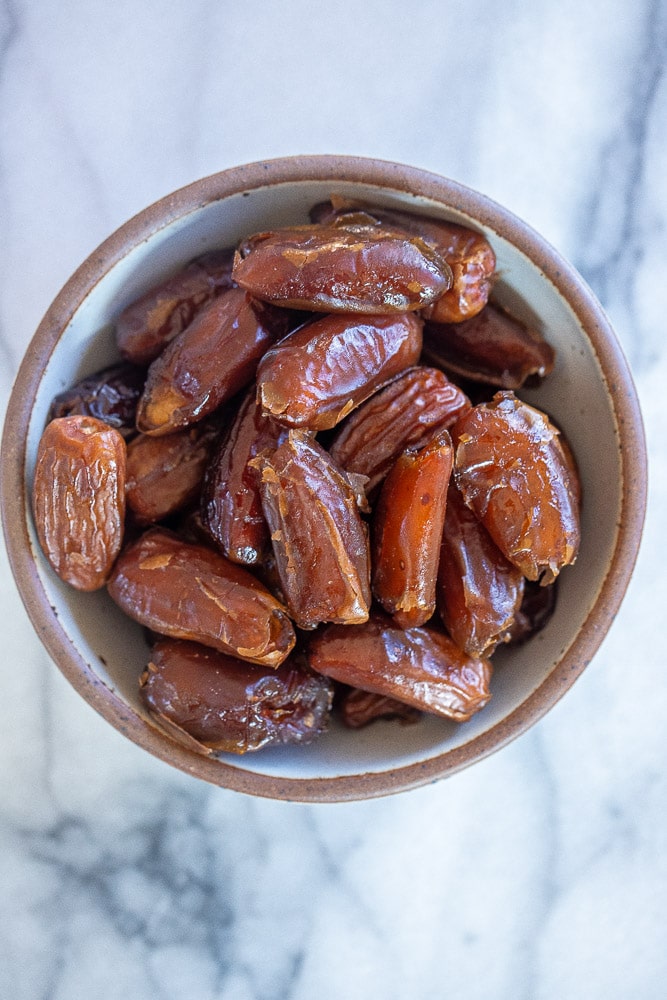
{"x": 590, "y": 395}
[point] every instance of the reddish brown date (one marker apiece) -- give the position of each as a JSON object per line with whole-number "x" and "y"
{"x": 318, "y": 374}
{"x": 360, "y": 269}
{"x": 514, "y": 474}
{"x": 231, "y": 501}
{"x": 187, "y": 591}
{"x": 214, "y": 358}
{"x": 110, "y": 395}
{"x": 164, "y": 474}
{"x": 479, "y": 592}
{"x": 148, "y": 324}
{"x": 407, "y": 530}
{"x": 408, "y": 413}
{"x": 78, "y": 498}
{"x": 419, "y": 666}
{"x": 359, "y": 708}
{"x": 492, "y": 347}
{"x": 469, "y": 255}
{"x": 227, "y": 705}
{"x": 319, "y": 540}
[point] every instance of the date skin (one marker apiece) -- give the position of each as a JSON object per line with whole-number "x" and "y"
{"x": 319, "y": 541}
{"x": 78, "y": 498}
{"x": 147, "y": 325}
{"x": 187, "y": 591}
{"x": 515, "y": 476}
{"x": 165, "y": 474}
{"x": 231, "y": 502}
{"x": 478, "y": 591}
{"x": 407, "y": 413}
{"x": 469, "y": 255}
{"x": 225, "y": 704}
{"x": 359, "y": 709}
{"x": 207, "y": 364}
{"x": 363, "y": 268}
{"x": 537, "y": 607}
{"x": 110, "y": 395}
{"x": 318, "y": 374}
{"x": 407, "y": 531}
{"x": 492, "y": 347}
{"x": 419, "y": 666}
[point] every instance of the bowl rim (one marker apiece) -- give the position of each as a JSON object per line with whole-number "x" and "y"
{"x": 15, "y": 504}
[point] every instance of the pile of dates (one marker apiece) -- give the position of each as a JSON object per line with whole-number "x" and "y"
{"x": 311, "y": 481}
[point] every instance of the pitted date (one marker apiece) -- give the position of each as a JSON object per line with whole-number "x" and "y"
{"x": 419, "y": 666}
{"x": 492, "y": 347}
{"x": 78, "y": 498}
{"x": 164, "y": 474}
{"x": 225, "y": 704}
{"x": 407, "y": 530}
{"x": 514, "y": 474}
{"x": 478, "y": 591}
{"x": 407, "y": 413}
{"x": 359, "y": 709}
{"x": 319, "y": 541}
{"x": 187, "y": 591}
{"x": 148, "y": 324}
{"x": 214, "y": 358}
{"x": 318, "y": 374}
{"x": 231, "y": 504}
{"x": 110, "y": 395}
{"x": 361, "y": 268}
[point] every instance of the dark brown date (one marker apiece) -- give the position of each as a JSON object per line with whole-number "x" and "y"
{"x": 360, "y": 269}
{"x": 537, "y": 607}
{"x": 228, "y": 705}
{"x": 492, "y": 347}
{"x": 187, "y": 591}
{"x": 419, "y": 666}
{"x": 231, "y": 501}
{"x": 514, "y": 474}
{"x": 318, "y": 374}
{"x": 359, "y": 708}
{"x": 148, "y": 324}
{"x": 469, "y": 255}
{"x": 110, "y": 395}
{"x": 78, "y": 498}
{"x": 214, "y": 358}
{"x": 408, "y": 413}
{"x": 479, "y": 592}
{"x": 407, "y": 531}
{"x": 319, "y": 540}
{"x": 165, "y": 474}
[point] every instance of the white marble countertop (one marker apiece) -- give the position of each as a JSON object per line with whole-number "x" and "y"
{"x": 540, "y": 873}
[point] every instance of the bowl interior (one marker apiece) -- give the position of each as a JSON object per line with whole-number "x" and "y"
{"x": 112, "y": 649}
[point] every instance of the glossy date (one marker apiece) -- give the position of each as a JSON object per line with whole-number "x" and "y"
{"x": 110, "y": 395}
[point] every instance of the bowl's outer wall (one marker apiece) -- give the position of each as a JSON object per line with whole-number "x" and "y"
{"x": 604, "y": 426}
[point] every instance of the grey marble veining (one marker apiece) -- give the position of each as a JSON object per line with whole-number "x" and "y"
{"x": 538, "y": 874}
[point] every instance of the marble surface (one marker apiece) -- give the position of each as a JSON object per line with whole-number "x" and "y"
{"x": 540, "y": 873}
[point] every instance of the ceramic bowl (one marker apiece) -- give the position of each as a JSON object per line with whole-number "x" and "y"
{"x": 590, "y": 395}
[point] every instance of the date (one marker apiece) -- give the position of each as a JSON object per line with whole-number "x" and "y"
{"x": 213, "y": 359}
{"x": 360, "y": 268}
{"x": 187, "y": 591}
{"x": 407, "y": 413}
{"x": 478, "y": 591}
{"x": 419, "y": 666}
{"x": 225, "y": 704}
{"x": 359, "y": 708}
{"x": 78, "y": 498}
{"x": 407, "y": 530}
{"x": 110, "y": 395}
{"x": 318, "y": 374}
{"x": 515, "y": 476}
{"x": 319, "y": 541}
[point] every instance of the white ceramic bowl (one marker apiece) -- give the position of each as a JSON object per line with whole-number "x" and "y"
{"x": 590, "y": 395}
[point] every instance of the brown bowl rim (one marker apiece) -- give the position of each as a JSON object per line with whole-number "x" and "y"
{"x": 14, "y": 503}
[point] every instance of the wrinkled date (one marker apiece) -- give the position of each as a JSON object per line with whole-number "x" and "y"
{"x": 78, "y": 498}
{"x": 283, "y": 470}
{"x": 223, "y": 703}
